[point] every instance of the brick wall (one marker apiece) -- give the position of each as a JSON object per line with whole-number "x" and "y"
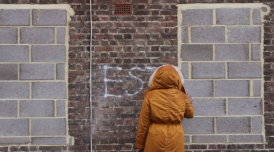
{"x": 126, "y": 50}
{"x": 146, "y": 39}
{"x": 108, "y": 136}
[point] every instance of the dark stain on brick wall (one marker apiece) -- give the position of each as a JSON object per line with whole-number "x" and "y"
{"x": 146, "y": 38}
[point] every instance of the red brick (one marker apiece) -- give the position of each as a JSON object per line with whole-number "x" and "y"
{"x": 170, "y": 12}
{"x": 104, "y": 36}
{"x": 77, "y": 147}
{"x": 141, "y": 60}
{"x": 155, "y": 30}
{"x": 104, "y": 18}
{"x": 168, "y": 24}
{"x": 142, "y": 13}
{"x": 126, "y": 18}
{"x": 168, "y": 1}
{"x": 198, "y": 146}
{"x": 104, "y": 49}
{"x": 140, "y": 1}
{"x": 104, "y": 147}
{"x": 142, "y": 24}
{"x": 127, "y": 31}
{"x": 155, "y": 18}
{"x": 141, "y": 36}
{"x": 130, "y": 54}
{"x": 128, "y": 122}
{"x": 118, "y": 24}
{"x": 155, "y": 43}
{"x": 77, "y": 36}
{"x": 126, "y": 42}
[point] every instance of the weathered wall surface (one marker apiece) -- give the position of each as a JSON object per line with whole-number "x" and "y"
{"x": 126, "y": 50}
{"x": 150, "y": 34}
{"x": 220, "y": 49}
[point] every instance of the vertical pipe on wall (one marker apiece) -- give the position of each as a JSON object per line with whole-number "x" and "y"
{"x": 90, "y": 76}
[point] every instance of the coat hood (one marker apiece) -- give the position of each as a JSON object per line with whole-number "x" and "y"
{"x": 166, "y": 77}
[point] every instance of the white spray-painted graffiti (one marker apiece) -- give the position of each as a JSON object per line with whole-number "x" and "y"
{"x": 106, "y": 67}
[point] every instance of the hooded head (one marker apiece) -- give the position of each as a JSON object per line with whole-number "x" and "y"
{"x": 166, "y": 77}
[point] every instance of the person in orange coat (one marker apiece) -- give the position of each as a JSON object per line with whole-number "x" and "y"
{"x": 164, "y": 107}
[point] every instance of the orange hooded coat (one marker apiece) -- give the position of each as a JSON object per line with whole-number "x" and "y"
{"x": 164, "y": 107}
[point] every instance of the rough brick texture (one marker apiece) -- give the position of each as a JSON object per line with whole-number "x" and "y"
{"x": 115, "y": 119}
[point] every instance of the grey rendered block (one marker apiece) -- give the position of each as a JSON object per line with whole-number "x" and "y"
{"x": 197, "y": 52}
{"x": 208, "y": 70}
{"x": 256, "y": 51}
{"x": 15, "y": 17}
{"x": 197, "y": 17}
{"x": 36, "y": 71}
{"x": 257, "y": 87}
{"x": 245, "y": 106}
{"x": 202, "y": 34}
{"x": 208, "y": 138}
{"x": 231, "y": 88}
{"x": 193, "y": 126}
{"x": 8, "y": 35}
{"x": 244, "y": 70}
{"x": 198, "y": 88}
{"x": 18, "y": 53}
{"x": 48, "y": 53}
{"x": 256, "y": 16}
{"x": 257, "y": 124}
{"x": 14, "y": 90}
{"x": 37, "y": 35}
{"x": 71, "y": 140}
{"x": 61, "y": 35}
{"x": 233, "y": 124}
{"x": 209, "y": 106}
{"x": 49, "y": 17}
{"x": 61, "y": 108}
{"x": 48, "y": 140}
{"x": 14, "y": 140}
{"x": 246, "y": 34}
{"x": 185, "y": 70}
{"x": 245, "y": 138}
{"x": 8, "y": 72}
{"x": 8, "y": 108}
{"x": 50, "y": 126}
{"x": 14, "y": 127}
{"x": 36, "y": 108}
{"x": 49, "y": 90}
{"x": 185, "y": 34}
{"x": 60, "y": 71}
{"x": 187, "y": 139}
{"x": 239, "y": 16}
{"x": 231, "y": 52}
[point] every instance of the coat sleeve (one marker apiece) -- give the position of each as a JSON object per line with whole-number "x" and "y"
{"x": 189, "y": 112}
{"x": 144, "y": 123}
